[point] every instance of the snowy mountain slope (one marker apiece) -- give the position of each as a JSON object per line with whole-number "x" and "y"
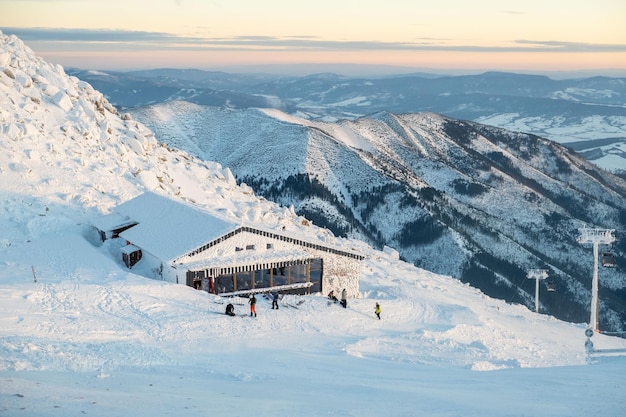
{"x": 579, "y": 111}
{"x": 458, "y": 198}
{"x": 69, "y": 157}
{"x": 59, "y": 126}
{"x": 82, "y": 335}
{"x": 586, "y": 113}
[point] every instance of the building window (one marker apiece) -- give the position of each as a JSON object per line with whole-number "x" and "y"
{"x": 262, "y": 278}
{"x": 254, "y": 277}
{"x": 315, "y": 274}
{"x": 297, "y": 273}
{"x": 224, "y": 283}
{"x": 246, "y": 280}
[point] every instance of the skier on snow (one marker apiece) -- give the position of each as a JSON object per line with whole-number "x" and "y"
{"x": 275, "y": 300}
{"x": 252, "y": 303}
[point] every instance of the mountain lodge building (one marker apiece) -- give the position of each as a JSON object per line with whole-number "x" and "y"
{"x": 176, "y": 242}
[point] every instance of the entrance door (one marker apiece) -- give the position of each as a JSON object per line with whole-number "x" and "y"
{"x": 194, "y": 279}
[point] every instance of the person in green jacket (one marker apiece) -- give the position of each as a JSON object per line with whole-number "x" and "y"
{"x": 377, "y": 311}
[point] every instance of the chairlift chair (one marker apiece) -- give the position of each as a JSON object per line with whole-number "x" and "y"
{"x": 551, "y": 286}
{"x": 608, "y": 260}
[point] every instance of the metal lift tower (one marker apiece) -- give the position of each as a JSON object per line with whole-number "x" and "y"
{"x": 597, "y": 237}
{"x": 537, "y": 275}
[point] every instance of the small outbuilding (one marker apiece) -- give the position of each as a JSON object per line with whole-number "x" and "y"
{"x": 177, "y": 242}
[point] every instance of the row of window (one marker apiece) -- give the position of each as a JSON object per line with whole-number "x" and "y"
{"x": 309, "y": 271}
{"x": 253, "y": 247}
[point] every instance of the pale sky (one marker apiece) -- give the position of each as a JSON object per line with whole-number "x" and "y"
{"x": 530, "y": 35}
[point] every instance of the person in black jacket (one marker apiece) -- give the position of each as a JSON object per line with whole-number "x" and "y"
{"x": 230, "y": 310}
{"x": 252, "y": 303}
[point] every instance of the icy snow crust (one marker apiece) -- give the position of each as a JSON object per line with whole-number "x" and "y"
{"x": 82, "y": 335}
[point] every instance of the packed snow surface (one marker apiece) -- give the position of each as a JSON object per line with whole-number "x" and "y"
{"x": 82, "y": 335}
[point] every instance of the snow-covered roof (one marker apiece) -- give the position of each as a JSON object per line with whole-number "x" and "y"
{"x": 113, "y": 221}
{"x": 128, "y": 249}
{"x": 168, "y": 229}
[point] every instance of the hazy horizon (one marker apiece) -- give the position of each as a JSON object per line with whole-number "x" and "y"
{"x": 365, "y": 70}
{"x": 449, "y": 36}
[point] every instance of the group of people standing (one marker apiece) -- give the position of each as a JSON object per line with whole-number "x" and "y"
{"x": 333, "y": 298}
{"x": 230, "y": 309}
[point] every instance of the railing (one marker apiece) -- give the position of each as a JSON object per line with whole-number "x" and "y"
{"x": 277, "y": 288}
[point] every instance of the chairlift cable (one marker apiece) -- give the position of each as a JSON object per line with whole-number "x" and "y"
{"x": 516, "y": 287}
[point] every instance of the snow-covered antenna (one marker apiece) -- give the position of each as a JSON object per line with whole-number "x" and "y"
{"x": 597, "y": 237}
{"x": 537, "y": 275}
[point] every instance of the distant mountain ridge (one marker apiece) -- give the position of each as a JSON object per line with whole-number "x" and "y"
{"x": 459, "y": 198}
{"x": 569, "y": 111}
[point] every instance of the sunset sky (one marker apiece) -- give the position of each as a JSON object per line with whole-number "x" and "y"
{"x": 543, "y": 35}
